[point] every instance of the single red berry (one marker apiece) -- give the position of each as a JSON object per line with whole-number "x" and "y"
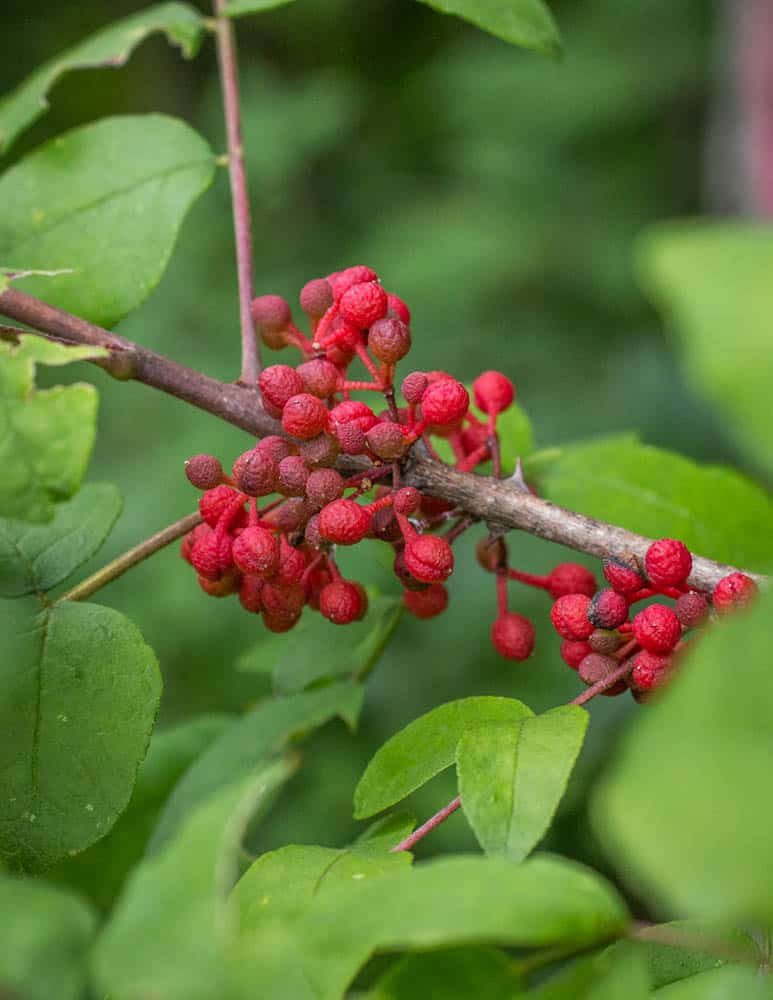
{"x": 650, "y": 671}
{"x": 271, "y": 313}
{"x": 292, "y": 474}
{"x": 657, "y": 629}
{"x": 429, "y": 558}
{"x": 343, "y": 602}
{"x": 363, "y": 304}
{"x": 292, "y": 563}
{"x": 605, "y": 641}
{"x": 255, "y": 473}
{"x": 353, "y": 411}
{"x": 692, "y": 609}
{"x": 733, "y": 591}
{"x": 426, "y": 603}
{"x": 304, "y": 416}
{"x": 186, "y": 546}
{"x": 413, "y": 387}
{"x": 214, "y": 503}
{"x": 343, "y": 337}
{"x": 279, "y": 623}
{"x": 570, "y": 617}
{"x": 249, "y": 594}
{"x": 275, "y": 446}
{"x": 277, "y": 384}
{"x": 623, "y": 575}
{"x": 571, "y": 578}
{"x": 342, "y": 281}
{"x": 513, "y": 636}
{"x": 211, "y": 555}
{"x": 290, "y": 516}
{"x": 316, "y": 297}
{"x": 283, "y": 600}
{"x": 344, "y": 522}
{"x": 406, "y": 500}
{"x": 491, "y": 553}
{"x": 493, "y": 392}
{"x": 204, "y": 472}
{"x": 323, "y": 487}
{"x": 386, "y": 440}
{"x": 667, "y": 563}
{"x": 319, "y": 377}
{"x": 399, "y": 308}
{"x": 595, "y": 667}
{"x": 351, "y": 438}
{"x": 321, "y": 451}
{"x": 608, "y": 609}
{"x": 256, "y": 551}
{"x": 389, "y": 340}
{"x": 573, "y": 652}
{"x": 384, "y": 525}
{"x": 403, "y": 574}
{"x": 444, "y": 402}
{"x": 312, "y": 537}
{"x": 226, "y": 585}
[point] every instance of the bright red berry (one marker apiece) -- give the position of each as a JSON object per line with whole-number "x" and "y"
{"x": 211, "y": 555}
{"x": 353, "y": 411}
{"x": 256, "y": 551}
{"x": 406, "y": 500}
{"x": 733, "y": 591}
{"x": 513, "y": 636}
{"x": 493, "y": 392}
{"x": 186, "y": 546}
{"x": 657, "y": 629}
{"x": 249, "y": 594}
{"x": 429, "y": 558}
{"x": 316, "y": 297}
{"x": 569, "y": 615}
{"x": 426, "y": 603}
{"x": 363, "y": 304}
{"x": 650, "y": 671}
{"x": 344, "y": 522}
{"x": 692, "y": 609}
{"x": 277, "y": 384}
{"x": 214, "y": 503}
{"x": 623, "y": 575}
{"x": 389, "y": 340}
{"x": 667, "y": 563}
{"x": 399, "y": 308}
{"x": 574, "y": 652}
{"x": 444, "y": 402}
{"x": 292, "y": 563}
{"x": 607, "y": 609}
{"x": 304, "y": 416}
{"x": 571, "y": 578}
{"x": 342, "y": 281}
{"x": 343, "y": 602}
{"x": 204, "y": 472}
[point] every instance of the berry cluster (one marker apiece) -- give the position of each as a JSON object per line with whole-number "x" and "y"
{"x": 280, "y": 557}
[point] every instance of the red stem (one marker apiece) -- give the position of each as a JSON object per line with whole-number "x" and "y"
{"x": 425, "y": 828}
{"x": 530, "y": 579}
{"x": 606, "y": 682}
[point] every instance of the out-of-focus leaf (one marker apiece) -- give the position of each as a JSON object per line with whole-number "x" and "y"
{"x": 10, "y": 274}
{"x": 458, "y": 974}
{"x": 107, "y": 201}
{"x": 238, "y": 8}
{"x": 182, "y": 24}
{"x": 601, "y": 977}
{"x": 729, "y": 983}
{"x": 527, "y": 23}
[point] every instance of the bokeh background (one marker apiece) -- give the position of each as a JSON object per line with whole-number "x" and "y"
{"x": 501, "y": 195}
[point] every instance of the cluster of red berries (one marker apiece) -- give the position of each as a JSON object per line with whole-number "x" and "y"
{"x": 280, "y": 557}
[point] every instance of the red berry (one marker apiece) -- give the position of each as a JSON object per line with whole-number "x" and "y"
{"x": 733, "y": 591}
{"x": 444, "y": 402}
{"x": 255, "y": 473}
{"x": 573, "y": 652}
{"x": 211, "y": 555}
{"x": 214, "y": 503}
{"x": 493, "y": 392}
{"x": 342, "y": 281}
{"x": 608, "y": 609}
{"x": 426, "y": 603}
{"x": 413, "y": 387}
{"x": 429, "y": 558}
{"x": 186, "y": 546}
{"x": 292, "y": 563}
{"x": 279, "y": 623}
{"x": 352, "y": 411}
{"x": 605, "y": 641}
{"x": 271, "y": 313}
{"x": 304, "y": 416}
{"x": 667, "y": 563}
{"x": 204, "y": 472}
{"x": 513, "y": 636}
{"x": 389, "y": 340}
{"x": 650, "y": 671}
{"x": 316, "y": 297}
{"x": 283, "y": 600}
{"x": 363, "y": 304}
{"x": 386, "y": 440}
{"x": 383, "y": 525}
{"x": 570, "y": 617}
{"x": 623, "y": 575}
{"x": 277, "y": 384}
{"x": 275, "y": 446}
{"x": 571, "y": 578}
{"x": 344, "y": 522}
{"x": 691, "y": 609}
{"x": 351, "y": 438}
{"x": 292, "y": 474}
{"x": 595, "y": 667}
{"x": 399, "y": 308}
{"x": 321, "y": 451}
{"x": 290, "y": 516}
{"x": 343, "y": 602}
{"x": 319, "y": 377}
{"x": 657, "y": 629}
{"x": 406, "y": 500}
{"x": 223, "y": 587}
{"x": 342, "y": 337}
{"x": 491, "y": 553}
{"x": 256, "y": 551}
{"x": 323, "y": 487}
{"x": 249, "y": 594}
{"x": 403, "y": 574}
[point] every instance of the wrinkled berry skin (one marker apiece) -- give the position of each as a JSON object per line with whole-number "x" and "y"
{"x": 692, "y": 609}
{"x": 214, "y": 503}
{"x": 304, "y": 416}
{"x": 386, "y": 441}
{"x": 343, "y": 602}
{"x": 319, "y": 377}
{"x": 571, "y": 578}
{"x": 344, "y": 522}
{"x": 650, "y": 671}
{"x": 733, "y": 591}
{"x": 352, "y": 411}
{"x": 292, "y": 474}
{"x": 667, "y": 563}
{"x": 277, "y": 384}
{"x": 363, "y": 304}
{"x": 605, "y": 641}
{"x": 570, "y": 617}
{"x": 389, "y": 340}
{"x": 493, "y": 392}
{"x": 657, "y": 629}
{"x": 595, "y": 667}
{"x": 323, "y": 487}
{"x": 255, "y": 473}
{"x": 406, "y": 501}
{"x": 316, "y": 297}
{"x": 429, "y": 558}
{"x": 204, "y": 472}
{"x": 444, "y": 402}
{"x": 413, "y": 387}
{"x": 623, "y": 576}
{"x": 608, "y": 609}
{"x": 513, "y": 636}
{"x": 256, "y": 552}
{"x": 574, "y": 652}
{"x": 426, "y": 603}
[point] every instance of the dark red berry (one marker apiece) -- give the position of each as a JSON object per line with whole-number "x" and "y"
{"x": 605, "y": 641}
{"x": 413, "y": 387}
{"x": 667, "y": 563}
{"x": 316, "y": 297}
{"x": 304, "y": 416}
{"x": 204, "y": 472}
{"x": 255, "y": 473}
{"x": 292, "y": 563}
{"x": 275, "y": 446}
{"x": 513, "y": 636}
{"x": 607, "y": 609}
{"x": 290, "y": 516}
{"x": 491, "y": 553}
{"x": 343, "y": 602}
{"x": 351, "y": 438}
{"x": 493, "y": 392}
{"x": 323, "y": 487}
{"x": 351, "y": 410}
{"x": 692, "y": 609}
{"x": 319, "y": 376}
{"x": 403, "y": 574}
{"x": 571, "y": 578}
{"x": 249, "y": 594}
{"x": 426, "y": 603}
{"x": 657, "y": 629}
{"x": 389, "y": 340}
{"x": 429, "y": 558}
{"x": 271, "y": 313}
{"x": 386, "y": 441}
{"x": 226, "y": 585}
{"x": 595, "y": 667}
{"x": 570, "y": 617}
{"x": 573, "y": 652}
{"x": 344, "y": 522}
{"x": 733, "y": 591}
{"x": 623, "y": 575}
{"x": 292, "y": 474}
{"x": 321, "y": 451}
{"x": 280, "y": 623}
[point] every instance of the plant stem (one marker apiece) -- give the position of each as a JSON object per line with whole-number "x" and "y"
{"x": 425, "y": 828}
{"x": 606, "y": 682}
{"x": 128, "y": 559}
{"x": 229, "y": 79}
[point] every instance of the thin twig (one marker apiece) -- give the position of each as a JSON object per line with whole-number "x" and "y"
{"x": 128, "y": 559}
{"x": 425, "y": 828}
{"x": 229, "y": 78}
{"x": 606, "y": 682}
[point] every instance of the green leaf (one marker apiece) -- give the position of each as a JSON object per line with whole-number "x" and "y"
{"x": 715, "y": 511}
{"x": 602, "y": 977}
{"x": 713, "y": 280}
{"x": 313, "y": 649}
{"x": 46, "y": 435}
{"x": 238, "y": 8}
{"x": 168, "y": 935}
{"x": 101, "y": 870}
{"x": 35, "y": 558}
{"x": 46, "y": 937}
{"x": 512, "y": 777}
{"x": 106, "y": 200}
{"x": 10, "y": 274}
{"x": 454, "y": 901}
{"x": 80, "y": 692}
{"x": 183, "y": 25}
{"x": 729, "y": 983}
{"x": 683, "y": 810}
{"x": 425, "y": 748}
{"x": 483, "y": 973}
{"x": 516, "y": 436}
{"x": 247, "y": 742}
{"x": 527, "y": 23}
{"x": 388, "y": 830}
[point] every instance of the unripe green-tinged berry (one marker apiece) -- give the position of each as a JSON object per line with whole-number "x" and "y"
{"x": 571, "y": 578}
{"x": 692, "y": 609}
{"x": 204, "y": 472}
{"x": 389, "y": 340}
{"x": 343, "y": 602}
{"x": 427, "y": 603}
{"x": 491, "y": 553}
{"x": 323, "y": 487}
{"x": 605, "y": 641}
{"x": 406, "y": 500}
{"x": 256, "y": 551}
{"x": 413, "y": 387}
{"x": 304, "y": 416}
{"x": 513, "y": 636}
{"x": 607, "y": 609}
{"x": 396, "y": 305}
{"x": 657, "y": 629}
{"x": 363, "y": 304}
{"x": 569, "y": 615}
{"x": 386, "y": 441}
{"x": 277, "y": 384}
{"x": 316, "y": 297}
{"x": 667, "y": 563}
{"x": 214, "y": 503}
{"x": 493, "y": 392}
{"x": 249, "y": 594}
{"x": 733, "y": 591}
{"x": 342, "y": 281}
{"x": 344, "y": 522}
{"x": 429, "y": 558}
{"x": 595, "y": 667}
{"x": 292, "y": 474}
{"x": 319, "y": 377}
{"x": 573, "y": 652}
{"x": 271, "y": 313}
{"x": 650, "y": 671}
{"x": 623, "y": 575}
{"x": 255, "y": 473}
{"x": 444, "y": 402}
{"x": 321, "y": 451}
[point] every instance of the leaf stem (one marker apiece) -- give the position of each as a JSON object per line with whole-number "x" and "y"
{"x": 425, "y": 828}
{"x": 229, "y": 79}
{"x": 128, "y": 559}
